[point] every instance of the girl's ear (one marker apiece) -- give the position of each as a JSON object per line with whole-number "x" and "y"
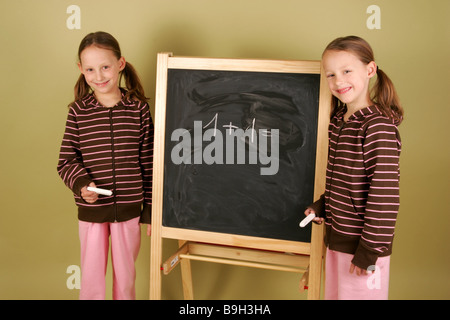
{"x": 371, "y": 69}
{"x": 79, "y": 67}
{"x": 122, "y": 63}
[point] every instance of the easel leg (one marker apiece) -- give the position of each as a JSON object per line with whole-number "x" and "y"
{"x": 315, "y": 267}
{"x": 158, "y": 177}
{"x": 186, "y": 276}
{"x": 155, "y": 265}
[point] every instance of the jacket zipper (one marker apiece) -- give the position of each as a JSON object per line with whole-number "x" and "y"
{"x": 113, "y": 164}
{"x": 334, "y": 156}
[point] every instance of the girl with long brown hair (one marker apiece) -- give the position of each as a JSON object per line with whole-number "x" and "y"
{"x": 361, "y": 199}
{"x": 108, "y": 144}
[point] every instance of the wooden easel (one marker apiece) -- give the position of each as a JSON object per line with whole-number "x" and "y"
{"x": 274, "y": 254}
{"x": 270, "y": 260}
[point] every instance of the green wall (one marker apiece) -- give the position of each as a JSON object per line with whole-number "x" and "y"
{"x": 38, "y": 222}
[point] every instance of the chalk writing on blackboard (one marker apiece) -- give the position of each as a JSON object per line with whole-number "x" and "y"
{"x": 235, "y": 139}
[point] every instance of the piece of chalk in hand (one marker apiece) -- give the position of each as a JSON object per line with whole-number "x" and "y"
{"x": 100, "y": 191}
{"x": 307, "y": 220}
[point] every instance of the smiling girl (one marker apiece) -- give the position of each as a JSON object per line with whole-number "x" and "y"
{"x": 361, "y": 199}
{"x": 108, "y": 143}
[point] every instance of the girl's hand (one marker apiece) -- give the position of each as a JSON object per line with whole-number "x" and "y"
{"x": 89, "y": 196}
{"x": 308, "y": 211}
{"x": 149, "y": 228}
{"x": 358, "y": 270}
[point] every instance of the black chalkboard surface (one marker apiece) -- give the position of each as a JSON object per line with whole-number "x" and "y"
{"x": 240, "y": 152}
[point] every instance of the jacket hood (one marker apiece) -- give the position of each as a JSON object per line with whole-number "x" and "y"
{"x": 370, "y": 111}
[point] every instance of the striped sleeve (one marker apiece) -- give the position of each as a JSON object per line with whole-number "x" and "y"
{"x": 381, "y": 153}
{"x": 70, "y": 166}
{"x": 146, "y": 161}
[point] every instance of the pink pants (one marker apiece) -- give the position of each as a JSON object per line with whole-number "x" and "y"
{"x": 340, "y": 284}
{"x": 125, "y": 243}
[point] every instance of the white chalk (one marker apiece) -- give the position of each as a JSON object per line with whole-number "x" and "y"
{"x": 307, "y": 220}
{"x": 100, "y": 191}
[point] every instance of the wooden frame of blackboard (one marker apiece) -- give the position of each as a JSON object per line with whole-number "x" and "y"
{"x": 189, "y": 238}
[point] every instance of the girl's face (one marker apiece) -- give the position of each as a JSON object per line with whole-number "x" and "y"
{"x": 348, "y": 78}
{"x": 101, "y": 69}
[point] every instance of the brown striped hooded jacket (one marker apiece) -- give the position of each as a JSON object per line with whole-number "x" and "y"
{"x": 361, "y": 200}
{"x": 113, "y": 147}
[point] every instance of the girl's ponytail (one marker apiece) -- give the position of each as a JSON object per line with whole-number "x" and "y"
{"x": 81, "y": 88}
{"x": 385, "y": 96}
{"x": 133, "y": 83}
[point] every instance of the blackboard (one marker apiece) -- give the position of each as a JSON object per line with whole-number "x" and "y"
{"x": 238, "y": 200}
{"x": 240, "y": 151}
